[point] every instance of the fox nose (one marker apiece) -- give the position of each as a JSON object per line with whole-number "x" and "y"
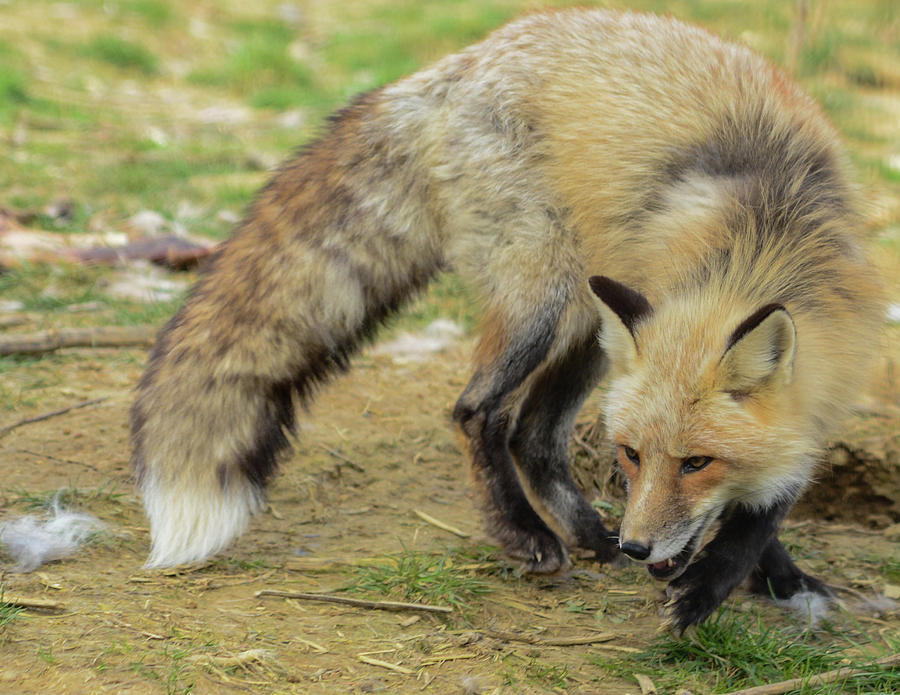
{"x": 636, "y": 551}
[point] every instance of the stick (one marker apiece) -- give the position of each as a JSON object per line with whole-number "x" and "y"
{"x": 323, "y": 564}
{"x": 592, "y": 452}
{"x": 25, "y": 602}
{"x": 440, "y": 524}
{"x": 432, "y": 660}
{"x": 359, "y": 603}
{"x": 384, "y": 664}
{"x": 819, "y": 679}
{"x": 552, "y": 641}
{"x": 46, "y": 416}
{"x": 353, "y": 464}
{"x": 99, "y": 336}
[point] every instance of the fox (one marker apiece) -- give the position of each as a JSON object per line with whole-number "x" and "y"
{"x": 635, "y": 202}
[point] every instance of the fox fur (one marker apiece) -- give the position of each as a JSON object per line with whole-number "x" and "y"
{"x": 701, "y": 192}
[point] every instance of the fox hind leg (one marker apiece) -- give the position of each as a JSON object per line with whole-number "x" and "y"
{"x": 541, "y": 440}
{"x": 777, "y": 576}
{"x": 486, "y": 412}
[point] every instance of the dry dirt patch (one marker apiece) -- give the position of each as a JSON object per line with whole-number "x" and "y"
{"x": 376, "y": 448}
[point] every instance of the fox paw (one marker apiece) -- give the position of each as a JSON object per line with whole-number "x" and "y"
{"x": 541, "y": 553}
{"x": 606, "y": 551}
{"x": 688, "y": 605}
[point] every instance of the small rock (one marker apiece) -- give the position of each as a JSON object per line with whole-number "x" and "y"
{"x": 7, "y": 306}
{"x": 891, "y": 591}
{"x": 148, "y": 222}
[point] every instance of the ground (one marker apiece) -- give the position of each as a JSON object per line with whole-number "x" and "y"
{"x": 376, "y": 449}
{"x": 143, "y": 117}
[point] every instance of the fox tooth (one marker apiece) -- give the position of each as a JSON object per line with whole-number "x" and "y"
{"x": 670, "y": 563}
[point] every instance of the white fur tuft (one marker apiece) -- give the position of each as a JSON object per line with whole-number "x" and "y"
{"x": 32, "y": 541}
{"x": 418, "y": 347}
{"x": 811, "y": 606}
{"x": 190, "y": 524}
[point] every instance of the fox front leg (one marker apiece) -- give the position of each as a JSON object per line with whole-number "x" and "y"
{"x": 723, "y": 564}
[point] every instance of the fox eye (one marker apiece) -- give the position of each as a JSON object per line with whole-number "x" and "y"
{"x": 632, "y": 455}
{"x": 692, "y": 464}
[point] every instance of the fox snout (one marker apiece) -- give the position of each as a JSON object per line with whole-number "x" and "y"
{"x": 635, "y": 550}
{"x": 667, "y": 558}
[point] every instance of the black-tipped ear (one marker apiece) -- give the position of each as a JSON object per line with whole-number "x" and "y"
{"x": 751, "y": 322}
{"x": 759, "y": 351}
{"x": 629, "y": 305}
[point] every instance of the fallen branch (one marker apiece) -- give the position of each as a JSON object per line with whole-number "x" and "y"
{"x": 552, "y": 641}
{"x": 98, "y": 336}
{"x": 46, "y": 416}
{"x": 25, "y": 602}
{"x": 358, "y": 603}
{"x": 440, "y": 524}
{"x": 839, "y": 674}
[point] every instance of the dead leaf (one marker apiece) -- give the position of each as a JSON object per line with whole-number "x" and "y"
{"x": 648, "y": 687}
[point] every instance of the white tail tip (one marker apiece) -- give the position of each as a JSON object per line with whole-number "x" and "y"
{"x": 190, "y": 523}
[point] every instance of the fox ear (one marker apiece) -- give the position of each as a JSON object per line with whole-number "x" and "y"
{"x": 760, "y": 352}
{"x": 621, "y": 309}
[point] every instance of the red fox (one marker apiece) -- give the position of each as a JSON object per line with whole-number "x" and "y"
{"x": 590, "y": 173}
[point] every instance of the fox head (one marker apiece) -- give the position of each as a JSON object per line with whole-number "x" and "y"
{"x": 702, "y": 414}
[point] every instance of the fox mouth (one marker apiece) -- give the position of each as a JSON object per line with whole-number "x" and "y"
{"x": 669, "y": 569}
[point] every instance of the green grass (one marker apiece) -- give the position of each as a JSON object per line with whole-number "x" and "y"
{"x": 420, "y": 577}
{"x": 734, "y": 651}
{"x": 79, "y": 109}
{"x": 124, "y": 54}
{"x": 66, "y": 497}
{"x": 8, "y": 612}
{"x": 447, "y": 298}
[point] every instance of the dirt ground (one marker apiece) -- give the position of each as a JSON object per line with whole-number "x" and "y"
{"x": 376, "y": 448}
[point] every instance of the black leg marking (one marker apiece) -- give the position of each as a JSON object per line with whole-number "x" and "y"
{"x": 483, "y": 412}
{"x": 541, "y": 440}
{"x": 778, "y": 577}
{"x": 723, "y": 564}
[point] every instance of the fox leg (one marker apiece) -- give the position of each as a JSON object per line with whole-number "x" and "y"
{"x": 777, "y": 576}
{"x": 723, "y": 563}
{"x": 486, "y": 413}
{"x": 541, "y": 439}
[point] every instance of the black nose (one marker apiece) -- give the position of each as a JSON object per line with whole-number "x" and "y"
{"x": 637, "y": 551}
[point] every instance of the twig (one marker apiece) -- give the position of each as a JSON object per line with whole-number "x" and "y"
{"x": 353, "y": 464}
{"x": 384, "y": 664}
{"x": 318, "y": 648}
{"x": 358, "y": 603}
{"x": 440, "y": 524}
{"x": 432, "y": 660}
{"x": 818, "y": 679}
{"x": 25, "y": 602}
{"x": 46, "y": 416}
{"x": 102, "y": 336}
{"x": 553, "y": 641}
{"x": 592, "y": 452}
{"x": 574, "y": 641}
{"x": 59, "y": 460}
{"x": 324, "y": 564}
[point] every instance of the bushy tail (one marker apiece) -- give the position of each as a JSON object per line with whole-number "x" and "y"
{"x": 334, "y": 244}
